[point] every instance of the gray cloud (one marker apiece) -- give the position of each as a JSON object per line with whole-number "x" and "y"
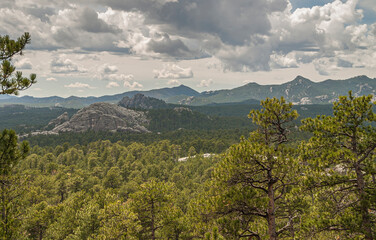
{"x": 344, "y": 63}
{"x": 24, "y": 63}
{"x": 168, "y": 47}
{"x": 88, "y": 20}
{"x": 64, "y": 65}
{"x": 232, "y": 21}
{"x": 43, "y": 13}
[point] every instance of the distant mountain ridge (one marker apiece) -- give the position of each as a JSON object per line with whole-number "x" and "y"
{"x": 140, "y": 101}
{"x": 175, "y": 93}
{"x": 299, "y": 91}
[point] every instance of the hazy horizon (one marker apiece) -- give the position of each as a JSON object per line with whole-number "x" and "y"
{"x": 94, "y": 48}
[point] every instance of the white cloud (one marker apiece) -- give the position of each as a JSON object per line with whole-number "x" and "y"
{"x": 24, "y": 63}
{"x": 110, "y": 73}
{"x": 108, "y": 69}
{"x": 283, "y": 61}
{"x": 51, "y": 79}
{"x": 247, "y": 35}
{"x": 174, "y": 82}
{"x": 173, "y": 71}
{"x": 205, "y": 83}
{"x": 112, "y": 85}
{"x": 64, "y": 65}
{"x": 79, "y": 85}
{"x": 133, "y": 85}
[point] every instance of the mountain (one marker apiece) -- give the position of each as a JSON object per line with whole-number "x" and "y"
{"x": 103, "y": 117}
{"x": 299, "y": 91}
{"x": 140, "y": 101}
{"x": 174, "y": 93}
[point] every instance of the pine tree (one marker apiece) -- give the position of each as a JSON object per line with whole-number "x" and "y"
{"x": 258, "y": 177}
{"x": 10, "y": 152}
{"x": 341, "y": 158}
{"x": 11, "y": 81}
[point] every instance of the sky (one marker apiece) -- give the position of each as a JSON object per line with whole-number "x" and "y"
{"x": 104, "y": 47}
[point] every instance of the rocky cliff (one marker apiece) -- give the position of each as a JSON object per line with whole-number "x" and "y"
{"x": 58, "y": 121}
{"x": 105, "y": 117}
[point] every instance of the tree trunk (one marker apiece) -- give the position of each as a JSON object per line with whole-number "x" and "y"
{"x": 271, "y": 209}
{"x": 364, "y": 204}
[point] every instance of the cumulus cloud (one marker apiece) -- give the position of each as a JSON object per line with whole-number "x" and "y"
{"x": 79, "y": 85}
{"x": 110, "y": 73}
{"x": 133, "y": 85}
{"x": 24, "y": 63}
{"x": 173, "y": 71}
{"x": 51, "y": 79}
{"x": 205, "y": 83}
{"x": 174, "y": 82}
{"x": 244, "y": 35}
{"x": 108, "y": 69}
{"x": 89, "y": 21}
{"x": 63, "y": 65}
{"x": 112, "y": 85}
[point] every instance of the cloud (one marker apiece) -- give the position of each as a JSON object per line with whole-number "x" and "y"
{"x": 88, "y": 21}
{"x": 174, "y": 82}
{"x": 230, "y": 20}
{"x": 205, "y": 83}
{"x": 171, "y": 48}
{"x": 112, "y": 85}
{"x": 79, "y": 85}
{"x": 173, "y": 71}
{"x": 64, "y": 65}
{"x": 93, "y": 57}
{"x": 283, "y": 61}
{"x": 133, "y": 85}
{"x": 24, "y": 63}
{"x": 108, "y": 69}
{"x": 110, "y": 73}
{"x": 51, "y": 79}
{"x": 243, "y": 35}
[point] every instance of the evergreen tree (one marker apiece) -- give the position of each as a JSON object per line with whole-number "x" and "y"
{"x": 10, "y": 154}
{"x": 341, "y": 159}
{"x": 257, "y": 178}
{"x": 12, "y": 82}
{"x": 155, "y": 208}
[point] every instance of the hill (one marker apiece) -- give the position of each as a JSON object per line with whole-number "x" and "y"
{"x": 175, "y": 93}
{"x": 300, "y": 91}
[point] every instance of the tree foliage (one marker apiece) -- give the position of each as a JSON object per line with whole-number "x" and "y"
{"x": 13, "y": 81}
{"x": 341, "y": 166}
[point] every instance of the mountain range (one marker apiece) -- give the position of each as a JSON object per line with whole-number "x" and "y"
{"x": 300, "y": 91}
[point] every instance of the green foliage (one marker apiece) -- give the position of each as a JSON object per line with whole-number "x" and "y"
{"x": 12, "y": 82}
{"x": 160, "y": 186}
{"x": 257, "y": 180}
{"x": 10, "y": 183}
{"x": 341, "y": 167}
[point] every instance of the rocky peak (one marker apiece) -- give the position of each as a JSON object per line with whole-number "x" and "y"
{"x": 58, "y": 121}
{"x": 140, "y": 101}
{"x": 105, "y": 117}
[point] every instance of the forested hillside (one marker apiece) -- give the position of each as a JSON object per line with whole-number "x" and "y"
{"x": 270, "y": 184}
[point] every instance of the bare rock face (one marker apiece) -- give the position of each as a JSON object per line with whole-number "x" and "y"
{"x": 58, "y": 121}
{"x": 140, "y": 101}
{"x": 182, "y": 109}
{"x": 105, "y": 117}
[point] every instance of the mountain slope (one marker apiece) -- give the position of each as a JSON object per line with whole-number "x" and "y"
{"x": 299, "y": 91}
{"x": 178, "y": 93}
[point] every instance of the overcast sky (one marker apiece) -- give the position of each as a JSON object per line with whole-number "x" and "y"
{"x": 99, "y": 47}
